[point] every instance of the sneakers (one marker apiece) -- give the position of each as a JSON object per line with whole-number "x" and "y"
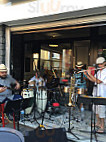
{"x": 10, "y": 117}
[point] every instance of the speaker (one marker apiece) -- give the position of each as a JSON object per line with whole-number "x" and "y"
{"x": 48, "y": 135}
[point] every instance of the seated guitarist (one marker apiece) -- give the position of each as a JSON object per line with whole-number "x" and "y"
{"x": 5, "y": 83}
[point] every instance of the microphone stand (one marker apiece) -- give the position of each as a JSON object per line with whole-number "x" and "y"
{"x": 70, "y": 105}
{"x": 34, "y": 102}
{"x": 93, "y": 115}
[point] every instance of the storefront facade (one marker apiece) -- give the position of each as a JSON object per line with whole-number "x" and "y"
{"x": 78, "y": 35}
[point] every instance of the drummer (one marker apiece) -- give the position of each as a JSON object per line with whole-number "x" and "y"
{"x": 37, "y": 80}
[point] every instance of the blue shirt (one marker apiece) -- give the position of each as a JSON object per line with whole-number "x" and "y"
{"x": 6, "y": 82}
{"x": 80, "y": 82}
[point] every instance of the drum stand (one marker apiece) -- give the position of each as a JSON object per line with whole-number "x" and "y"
{"x": 34, "y": 103}
{"x": 42, "y": 114}
{"x": 34, "y": 107}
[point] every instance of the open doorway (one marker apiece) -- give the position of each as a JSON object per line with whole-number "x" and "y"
{"x": 81, "y": 50}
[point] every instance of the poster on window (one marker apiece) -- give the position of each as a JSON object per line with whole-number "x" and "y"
{"x": 66, "y": 60}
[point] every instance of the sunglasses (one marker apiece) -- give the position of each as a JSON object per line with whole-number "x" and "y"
{"x": 100, "y": 64}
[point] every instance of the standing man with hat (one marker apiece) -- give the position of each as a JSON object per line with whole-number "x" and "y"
{"x": 80, "y": 83}
{"x": 80, "y": 77}
{"x": 6, "y": 82}
{"x": 99, "y": 90}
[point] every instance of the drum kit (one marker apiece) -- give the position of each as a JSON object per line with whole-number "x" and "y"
{"x": 40, "y": 96}
{"x": 28, "y": 93}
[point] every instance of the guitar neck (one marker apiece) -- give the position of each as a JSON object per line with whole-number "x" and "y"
{"x": 7, "y": 87}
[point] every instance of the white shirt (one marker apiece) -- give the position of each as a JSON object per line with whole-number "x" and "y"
{"x": 38, "y": 81}
{"x": 101, "y": 88}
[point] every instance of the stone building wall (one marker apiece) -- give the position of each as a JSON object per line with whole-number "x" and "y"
{"x": 2, "y": 44}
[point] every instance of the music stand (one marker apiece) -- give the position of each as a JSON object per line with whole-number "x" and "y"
{"x": 27, "y": 102}
{"x": 92, "y": 100}
{"x": 15, "y": 106}
{"x": 70, "y": 129}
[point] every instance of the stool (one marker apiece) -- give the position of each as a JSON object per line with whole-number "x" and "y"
{"x": 2, "y": 112}
{"x": 3, "y": 119}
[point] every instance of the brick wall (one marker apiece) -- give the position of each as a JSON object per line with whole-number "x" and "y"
{"x": 2, "y": 44}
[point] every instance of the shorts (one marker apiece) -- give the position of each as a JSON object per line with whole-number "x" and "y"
{"x": 100, "y": 110}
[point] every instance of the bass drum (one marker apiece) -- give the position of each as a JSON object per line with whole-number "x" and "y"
{"x": 41, "y": 99}
{"x": 28, "y": 93}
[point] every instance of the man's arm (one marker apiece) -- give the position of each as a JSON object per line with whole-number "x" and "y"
{"x": 17, "y": 85}
{"x": 95, "y": 79}
{"x": 92, "y": 78}
{"x": 14, "y": 81}
{"x": 88, "y": 76}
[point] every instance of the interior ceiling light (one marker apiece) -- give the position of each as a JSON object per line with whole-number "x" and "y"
{"x": 54, "y": 35}
{"x": 53, "y": 45}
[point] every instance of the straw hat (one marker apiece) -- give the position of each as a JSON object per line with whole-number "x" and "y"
{"x": 100, "y": 60}
{"x": 3, "y": 68}
{"x": 79, "y": 64}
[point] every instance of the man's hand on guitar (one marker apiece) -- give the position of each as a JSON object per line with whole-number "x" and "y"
{"x": 17, "y": 86}
{"x": 2, "y": 89}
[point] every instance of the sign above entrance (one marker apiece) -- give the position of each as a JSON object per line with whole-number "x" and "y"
{"x": 27, "y": 9}
{"x": 14, "y": 1}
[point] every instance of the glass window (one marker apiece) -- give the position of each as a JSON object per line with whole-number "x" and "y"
{"x": 55, "y": 56}
{"x": 35, "y": 61}
{"x": 45, "y": 54}
{"x": 35, "y": 55}
{"x": 66, "y": 61}
{"x": 45, "y": 59}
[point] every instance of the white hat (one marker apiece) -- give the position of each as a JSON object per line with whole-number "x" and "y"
{"x": 79, "y": 64}
{"x": 100, "y": 60}
{"x": 3, "y": 68}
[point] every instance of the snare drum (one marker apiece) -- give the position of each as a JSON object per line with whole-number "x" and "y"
{"x": 28, "y": 93}
{"x": 41, "y": 99}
